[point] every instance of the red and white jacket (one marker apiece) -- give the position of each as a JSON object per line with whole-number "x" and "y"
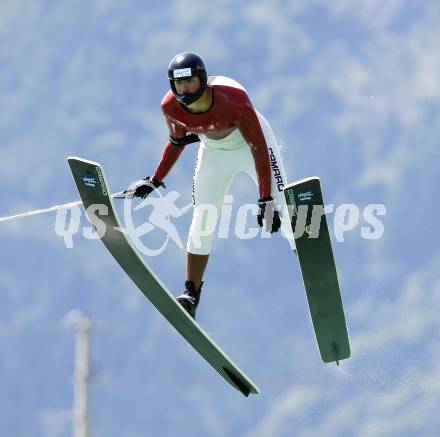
{"x": 231, "y": 109}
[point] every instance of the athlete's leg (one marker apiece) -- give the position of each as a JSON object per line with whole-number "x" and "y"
{"x": 195, "y": 268}
{"x": 213, "y": 175}
{"x": 212, "y": 178}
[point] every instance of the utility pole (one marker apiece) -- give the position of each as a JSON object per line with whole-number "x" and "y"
{"x": 82, "y": 327}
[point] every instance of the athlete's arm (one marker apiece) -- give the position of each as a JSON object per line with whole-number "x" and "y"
{"x": 250, "y": 128}
{"x": 173, "y": 149}
{"x": 170, "y": 155}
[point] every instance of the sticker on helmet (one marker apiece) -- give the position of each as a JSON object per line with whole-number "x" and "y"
{"x": 182, "y": 72}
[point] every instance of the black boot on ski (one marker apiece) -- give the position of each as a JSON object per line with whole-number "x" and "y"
{"x": 190, "y": 298}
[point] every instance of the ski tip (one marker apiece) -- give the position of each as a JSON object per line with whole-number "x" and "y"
{"x": 71, "y": 159}
{"x": 302, "y": 181}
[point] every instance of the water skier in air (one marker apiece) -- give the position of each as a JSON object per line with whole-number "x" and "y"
{"x": 217, "y": 112}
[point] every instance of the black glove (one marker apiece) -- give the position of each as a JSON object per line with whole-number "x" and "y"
{"x": 144, "y": 187}
{"x": 269, "y": 214}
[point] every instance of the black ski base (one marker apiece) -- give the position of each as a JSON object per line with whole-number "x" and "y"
{"x": 238, "y": 382}
{"x": 335, "y": 352}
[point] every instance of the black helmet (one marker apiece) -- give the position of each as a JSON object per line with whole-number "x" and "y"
{"x": 186, "y": 65}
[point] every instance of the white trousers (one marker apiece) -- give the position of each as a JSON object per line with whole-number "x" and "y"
{"x": 217, "y": 164}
